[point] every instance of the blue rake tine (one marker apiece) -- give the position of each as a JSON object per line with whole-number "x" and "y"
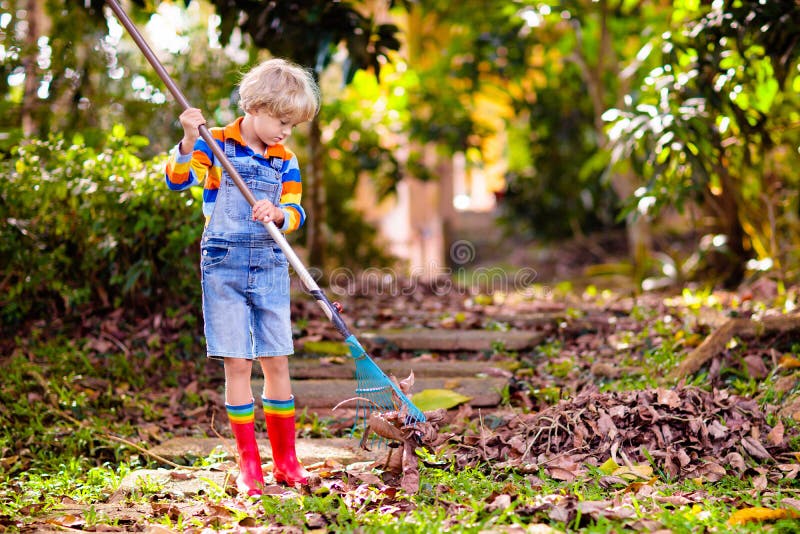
{"x": 379, "y": 397}
{"x": 373, "y": 384}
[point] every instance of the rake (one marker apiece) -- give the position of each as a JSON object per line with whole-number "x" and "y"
{"x": 379, "y": 391}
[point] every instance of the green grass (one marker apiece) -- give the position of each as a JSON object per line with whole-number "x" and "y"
{"x": 59, "y": 399}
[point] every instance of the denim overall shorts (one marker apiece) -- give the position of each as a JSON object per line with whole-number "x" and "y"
{"x": 245, "y": 275}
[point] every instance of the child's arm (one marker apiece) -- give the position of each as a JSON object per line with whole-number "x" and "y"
{"x": 191, "y": 120}
{"x": 291, "y": 193}
{"x": 288, "y": 215}
{"x": 190, "y": 160}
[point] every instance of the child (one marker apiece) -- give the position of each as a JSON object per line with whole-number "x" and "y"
{"x": 245, "y": 274}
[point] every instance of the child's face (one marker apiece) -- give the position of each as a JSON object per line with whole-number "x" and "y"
{"x": 271, "y": 130}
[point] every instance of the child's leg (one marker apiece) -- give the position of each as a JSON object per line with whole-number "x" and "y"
{"x": 278, "y": 404}
{"x": 241, "y": 413}
{"x": 277, "y": 384}
{"x": 237, "y": 381}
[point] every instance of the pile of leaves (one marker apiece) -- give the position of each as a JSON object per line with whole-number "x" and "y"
{"x": 684, "y": 432}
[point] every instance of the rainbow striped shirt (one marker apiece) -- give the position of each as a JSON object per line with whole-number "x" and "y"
{"x": 202, "y": 167}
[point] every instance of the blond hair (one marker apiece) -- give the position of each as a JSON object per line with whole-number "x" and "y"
{"x": 281, "y": 89}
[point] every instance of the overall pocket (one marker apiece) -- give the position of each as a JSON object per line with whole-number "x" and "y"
{"x": 264, "y": 184}
{"x": 214, "y": 254}
{"x": 279, "y": 257}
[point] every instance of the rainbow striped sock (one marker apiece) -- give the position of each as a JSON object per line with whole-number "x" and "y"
{"x": 241, "y": 414}
{"x": 278, "y": 408}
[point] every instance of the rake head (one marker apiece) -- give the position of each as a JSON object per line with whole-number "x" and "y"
{"x": 381, "y": 393}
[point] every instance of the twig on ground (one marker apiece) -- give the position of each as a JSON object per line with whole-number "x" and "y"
{"x": 148, "y": 453}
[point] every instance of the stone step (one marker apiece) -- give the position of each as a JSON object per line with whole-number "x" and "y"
{"x": 344, "y": 367}
{"x": 318, "y": 395}
{"x": 309, "y": 451}
{"x": 430, "y": 339}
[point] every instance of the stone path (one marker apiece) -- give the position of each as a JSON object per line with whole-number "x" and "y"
{"x": 452, "y": 340}
{"x": 309, "y": 451}
{"x": 321, "y": 383}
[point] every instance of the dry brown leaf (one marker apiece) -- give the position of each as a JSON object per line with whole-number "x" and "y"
{"x": 674, "y": 500}
{"x": 559, "y": 473}
{"x": 755, "y": 448}
{"x": 755, "y": 366}
{"x": 410, "y": 480}
{"x": 760, "y": 482}
{"x": 736, "y": 461}
{"x": 775, "y": 436}
{"x": 791, "y": 502}
{"x": 369, "y": 478}
{"x": 717, "y": 430}
{"x": 712, "y": 471}
{"x": 668, "y": 397}
{"x": 500, "y": 502}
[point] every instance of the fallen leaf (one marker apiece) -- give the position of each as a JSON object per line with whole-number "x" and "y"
{"x": 755, "y": 366}
{"x": 559, "y": 473}
{"x": 760, "y": 482}
{"x": 793, "y": 503}
{"x": 501, "y": 502}
{"x": 736, "y": 461}
{"x": 789, "y": 362}
{"x": 755, "y": 448}
{"x": 433, "y": 399}
{"x": 633, "y": 472}
{"x": 67, "y": 520}
{"x": 641, "y": 488}
{"x": 759, "y": 515}
{"x": 369, "y": 478}
{"x": 775, "y": 436}
{"x": 674, "y": 500}
{"x": 668, "y": 397}
{"x": 608, "y": 467}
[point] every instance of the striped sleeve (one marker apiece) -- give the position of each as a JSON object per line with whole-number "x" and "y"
{"x": 186, "y": 170}
{"x": 291, "y": 193}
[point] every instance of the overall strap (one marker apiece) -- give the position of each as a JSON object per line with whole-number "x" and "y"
{"x": 230, "y": 147}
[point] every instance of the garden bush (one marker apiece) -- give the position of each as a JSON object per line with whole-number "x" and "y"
{"x": 86, "y": 227}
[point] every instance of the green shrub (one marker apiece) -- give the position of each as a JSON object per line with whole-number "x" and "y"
{"x": 87, "y": 227}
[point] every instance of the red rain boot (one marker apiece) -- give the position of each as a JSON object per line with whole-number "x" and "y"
{"x": 280, "y": 428}
{"x": 251, "y": 477}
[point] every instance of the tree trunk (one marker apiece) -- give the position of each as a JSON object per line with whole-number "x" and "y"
{"x": 315, "y": 207}
{"x": 29, "y": 97}
{"x": 725, "y": 205}
{"x": 638, "y": 229}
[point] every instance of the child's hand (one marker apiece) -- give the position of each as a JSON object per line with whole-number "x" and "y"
{"x": 266, "y": 211}
{"x": 191, "y": 119}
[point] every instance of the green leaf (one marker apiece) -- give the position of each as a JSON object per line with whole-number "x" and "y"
{"x": 608, "y": 467}
{"x": 433, "y": 399}
{"x": 326, "y": 347}
{"x": 765, "y": 95}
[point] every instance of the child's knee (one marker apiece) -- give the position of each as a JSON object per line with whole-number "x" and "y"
{"x": 238, "y": 366}
{"x": 275, "y": 364}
